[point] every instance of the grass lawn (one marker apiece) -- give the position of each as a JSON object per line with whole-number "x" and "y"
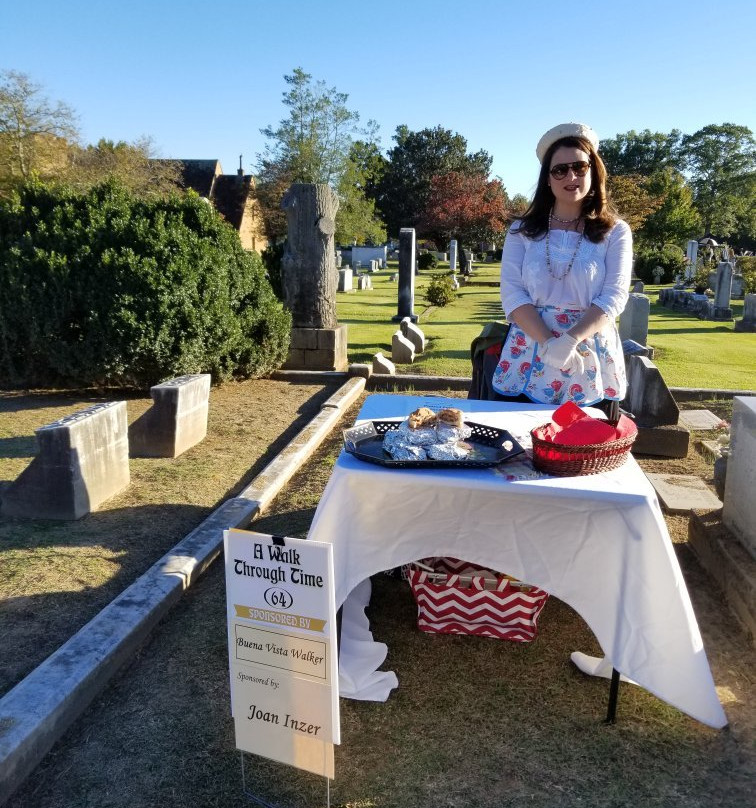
{"x": 689, "y": 352}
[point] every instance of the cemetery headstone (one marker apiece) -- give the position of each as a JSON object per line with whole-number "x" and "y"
{"x": 383, "y": 365}
{"x": 748, "y": 323}
{"x": 654, "y": 410}
{"x": 345, "y": 280}
{"x": 633, "y": 322}
{"x": 177, "y": 419}
{"x": 339, "y": 259}
{"x": 309, "y": 278}
{"x": 407, "y": 264}
{"x": 721, "y": 309}
{"x": 658, "y": 274}
{"x": 413, "y": 333}
{"x": 83, "y": 460}
{"x": 453, "y": 255}
{"x": 639, "y": 287}
{"x": 691, "y": 259}
{"x": 402, "y": 350}
{"x": 364, "y": 282}
{"x": 739, "y": 513}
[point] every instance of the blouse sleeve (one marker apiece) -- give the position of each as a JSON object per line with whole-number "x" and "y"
{"x": 619, "y": 263}
{"x": 513, "y": 291}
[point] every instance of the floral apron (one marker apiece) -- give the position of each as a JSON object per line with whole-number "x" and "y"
{"x": 520, "y": 369}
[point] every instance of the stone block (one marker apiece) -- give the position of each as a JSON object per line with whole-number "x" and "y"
{"x": 648, "y": 398}
{"x": 83, "y": 460}
{"x": 681, "y": 493}
{"x": 728, "y": 563}
{"x": 413, "y": 334}
{"x": 329, "y": 351}
{"x": 177, "y": 419}
{"x": 739, "y": 513}
{"x": 364, "y": 282}
{"x": 662, "y": 441}
{"x": 304, "y": 339}
{"x": 383, "y": 365}
{"x": 402, "y": 350}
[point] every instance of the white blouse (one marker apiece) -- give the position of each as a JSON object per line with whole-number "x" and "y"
{"x": 600, "y": 273}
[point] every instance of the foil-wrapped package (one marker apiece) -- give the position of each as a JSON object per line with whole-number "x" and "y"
{"x": 446, "y": 433}
{"x": 448, "y": 451}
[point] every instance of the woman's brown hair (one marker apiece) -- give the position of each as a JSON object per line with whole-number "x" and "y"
{"x": 598, "y": 212}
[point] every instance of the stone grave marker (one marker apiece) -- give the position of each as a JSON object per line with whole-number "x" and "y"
{"x": 681, "y": 493}
{"x": 383, "y": 365}
{"x": 748, "y": 322}
{"x": 453, "y": 255}
{"x": 413, "y": 334}
{"x": 177, "y": 419}
{"x": 83, "y": 460}
{"x": 633, "y": 322}
{"x": 345, "y": 280}
{"x": 364, "y": 282}
{"x": 407, "y": 264}
{"x": 654, "y": 409}
{"x": 699, "y": 419}
{"x": 739, "y": 513}
{"x": 402, "y": 350}
{"x": 721, "y": 309}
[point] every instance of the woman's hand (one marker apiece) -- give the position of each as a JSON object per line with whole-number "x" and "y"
{"x": 561, "y": 353}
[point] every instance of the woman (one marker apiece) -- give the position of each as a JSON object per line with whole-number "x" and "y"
{"x": 565, "y": 277}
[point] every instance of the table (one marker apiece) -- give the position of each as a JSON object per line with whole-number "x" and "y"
{"x": 597, "y": 542}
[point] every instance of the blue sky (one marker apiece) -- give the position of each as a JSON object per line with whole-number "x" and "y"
{"x": 203, "y": 78}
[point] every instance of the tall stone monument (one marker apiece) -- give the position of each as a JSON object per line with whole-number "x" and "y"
{"x": 406, "y": 292}
{"x": 721, "y": 309}
{"x": 692, "y": 256}
{"x": 309, "y": 278}
{"x": 453, "y": 255}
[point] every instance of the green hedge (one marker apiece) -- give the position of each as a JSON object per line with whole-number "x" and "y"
{"x": 669, "y": 257}
{"x": 102, "y": 288}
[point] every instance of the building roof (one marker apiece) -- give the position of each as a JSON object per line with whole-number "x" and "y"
{"x": 198, "y": 174}
{"x": 230, "y": 195}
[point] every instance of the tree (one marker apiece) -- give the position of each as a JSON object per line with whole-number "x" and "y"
{"x": 641, "y": 153}
{"x": 132, "y": 164}
{"x": 721, "y": 164}
{"x": 34, "y": 132}
{"x": 518, "y": 204}
{"x": 467, "y": 207}
{"x": 676, "y": 219}
{"x": 315, "y": 144}
{"x": 415, "y": 159}
{"x": 632, "y": 199}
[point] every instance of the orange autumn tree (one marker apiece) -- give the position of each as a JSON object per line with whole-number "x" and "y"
{"x": 468, "y": 207}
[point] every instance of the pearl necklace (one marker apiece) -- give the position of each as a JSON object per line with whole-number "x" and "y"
{"x": 572, "y": 260}
{"x": 562, "y": 221}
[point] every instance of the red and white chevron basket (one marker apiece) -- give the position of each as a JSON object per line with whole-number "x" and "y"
{"x": 456, "y": 597}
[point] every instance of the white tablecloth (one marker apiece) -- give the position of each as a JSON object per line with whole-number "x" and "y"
{"x": 597, "y": 542}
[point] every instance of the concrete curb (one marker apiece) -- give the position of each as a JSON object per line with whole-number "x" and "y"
{"x": 39, "y": 709}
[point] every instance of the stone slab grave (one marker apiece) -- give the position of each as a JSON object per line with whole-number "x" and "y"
{"x": 699, "y": 419}
{"x": 681, "y": 493}
{"x": 177, "y": 419}
{"x": 83, "y": 460}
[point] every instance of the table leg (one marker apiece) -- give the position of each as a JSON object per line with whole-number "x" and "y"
{"x": 611, "y": 712}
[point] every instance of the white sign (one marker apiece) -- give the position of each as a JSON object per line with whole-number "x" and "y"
{"x": 282, "y": 648}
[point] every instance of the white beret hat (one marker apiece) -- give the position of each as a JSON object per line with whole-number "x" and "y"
{"x": 565, "y": 130}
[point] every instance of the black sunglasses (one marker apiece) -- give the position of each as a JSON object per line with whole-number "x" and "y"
{"x": 559, "y": 171}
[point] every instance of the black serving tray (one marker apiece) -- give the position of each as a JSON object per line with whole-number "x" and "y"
{"x": 365, "y": 441}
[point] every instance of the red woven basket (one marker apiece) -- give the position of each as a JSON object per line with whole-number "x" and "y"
{"x": 562, "y": 460}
